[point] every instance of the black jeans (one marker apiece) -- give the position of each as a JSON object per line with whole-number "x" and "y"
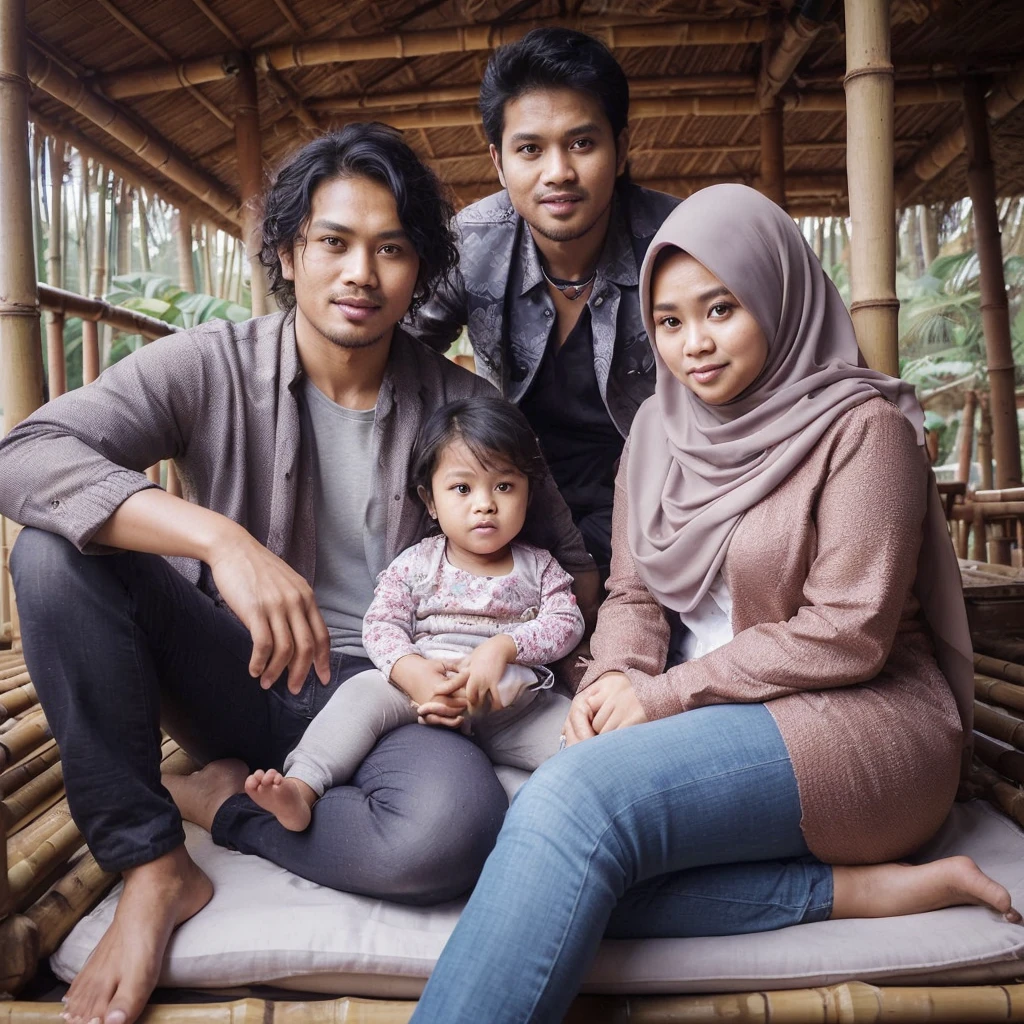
{"x": 119, "y": 644}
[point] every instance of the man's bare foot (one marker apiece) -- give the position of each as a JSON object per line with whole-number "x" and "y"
{"x": 123, "y": 970}
{"x": 892, "y": 890}
{"x": 199, "y": 795}
{"x": 289, "y": 800}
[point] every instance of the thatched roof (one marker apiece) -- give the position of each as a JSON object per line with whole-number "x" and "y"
{"x": 82, "y": 50}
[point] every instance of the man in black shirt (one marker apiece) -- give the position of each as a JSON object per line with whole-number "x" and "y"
{"x": 549, "y": 266}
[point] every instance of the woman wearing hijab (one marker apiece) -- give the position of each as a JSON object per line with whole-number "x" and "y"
{"x": 781, "y": 681}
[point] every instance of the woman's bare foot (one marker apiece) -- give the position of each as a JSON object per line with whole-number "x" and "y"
{"x": 289, "y": 800}
{"x": 892, "y": 890}
{"x": 199, "y": 795}
{"x": 123, "y": 970}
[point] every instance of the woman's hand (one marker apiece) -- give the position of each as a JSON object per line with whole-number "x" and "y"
{"x": 609, "y": 703}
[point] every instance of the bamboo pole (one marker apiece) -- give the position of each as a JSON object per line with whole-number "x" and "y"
{"x": 1008, "y": 494}
{"x": 143, "y": 232}
{"x": 1000, "y": 669}
{"x": 985, "y": 481}
{"x": 1006, "y": 95}
{"x": 31, "y": 732}
{"x": 57, "y": 370}
{"x": 869, "y": 133}
{"x": 14, "y": 778}
{"x": 183, "y": 246}
{"x": 773, "y": 154}
{"x": 153, "y": 186}
{"x": 851, "y": 1002}
{"x": 99, "y": 311}
{"x": 424, "y": 43}
{"x": 141, "y": 139}
{"x": 797, "y": 36}
{"x": 995, "y": 313}
{"x": 20, "y": 350}
{"x": 204, "y": 259}
{"x": 250, "y": 176}
{"x": 90, "y": 335}
{"x": 963, "y": 468}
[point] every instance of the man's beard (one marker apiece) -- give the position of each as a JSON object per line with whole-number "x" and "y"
{"x": 569, "y": 233}
{"x": 352, "y": 343}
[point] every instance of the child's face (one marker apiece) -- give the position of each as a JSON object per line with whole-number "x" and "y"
{"x": 480, "y": 509}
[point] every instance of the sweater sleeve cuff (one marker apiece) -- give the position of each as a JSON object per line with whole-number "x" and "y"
{"x": 656, "y": 696}
{"x": 80, "y": 515}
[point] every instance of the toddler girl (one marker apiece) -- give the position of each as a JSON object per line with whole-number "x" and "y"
{"x": 461, "y": 624}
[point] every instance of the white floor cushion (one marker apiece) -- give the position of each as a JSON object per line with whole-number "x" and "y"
{"x": 265, "y": 925}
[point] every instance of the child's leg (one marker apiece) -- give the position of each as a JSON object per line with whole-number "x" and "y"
{"x": 524, "y": 736}
{"x": 364, "y": 708}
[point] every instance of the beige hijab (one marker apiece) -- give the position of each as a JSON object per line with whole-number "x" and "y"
{"x": 694, "y": 469}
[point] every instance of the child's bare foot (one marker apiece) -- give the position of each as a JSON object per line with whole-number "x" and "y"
{"x": 892, "y": 890}
{"x": 289, "y": 800}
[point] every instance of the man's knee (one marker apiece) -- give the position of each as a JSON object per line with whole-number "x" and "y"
{"x": 39, "y": 560}
{"x": 452, "y": 817}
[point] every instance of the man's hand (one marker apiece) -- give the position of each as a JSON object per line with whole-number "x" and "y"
{"x": 607, "y": 704}
{"x": 276, "y": 605}
{"x": 484, "y": 669}
{"x": 435, "y": 686}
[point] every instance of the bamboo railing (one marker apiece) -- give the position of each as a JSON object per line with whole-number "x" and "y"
{"x": 99, "y": 311}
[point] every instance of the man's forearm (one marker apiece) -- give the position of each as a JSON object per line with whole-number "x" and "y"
{"x": 158, "y": 523}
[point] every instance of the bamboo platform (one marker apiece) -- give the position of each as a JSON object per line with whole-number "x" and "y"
{"x": 51, "y": 881}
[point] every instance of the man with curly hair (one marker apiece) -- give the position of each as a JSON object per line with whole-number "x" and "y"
{"x": 292, "y": 435}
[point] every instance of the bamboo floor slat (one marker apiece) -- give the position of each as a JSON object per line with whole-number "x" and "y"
{"x": 28, "y": 734}
{"x": 849, "y": 1003}
{"x": 24, "y": 772}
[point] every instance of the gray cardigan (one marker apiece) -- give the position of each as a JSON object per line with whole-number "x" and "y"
{"x": 222, "y": 400}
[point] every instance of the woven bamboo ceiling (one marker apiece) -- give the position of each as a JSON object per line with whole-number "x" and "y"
{"x": 694, "y": 68}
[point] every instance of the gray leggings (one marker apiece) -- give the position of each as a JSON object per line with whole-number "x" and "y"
{"x": 367, "y": 707}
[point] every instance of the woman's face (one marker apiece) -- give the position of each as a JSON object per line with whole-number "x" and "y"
{"x": 712, "y": 345}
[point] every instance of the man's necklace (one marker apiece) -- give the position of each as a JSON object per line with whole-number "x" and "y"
{"x": 570, "y": 289}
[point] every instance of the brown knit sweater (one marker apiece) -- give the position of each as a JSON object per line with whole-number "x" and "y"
{"x": 827, "y": 634}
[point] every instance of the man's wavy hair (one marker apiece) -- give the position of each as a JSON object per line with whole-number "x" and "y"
{"x": 372, "y": 151}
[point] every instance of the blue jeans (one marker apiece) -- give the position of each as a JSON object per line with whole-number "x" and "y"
{"x": 685, "y": 826}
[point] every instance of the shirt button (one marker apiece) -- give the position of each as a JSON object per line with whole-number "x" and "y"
{"x": 55, "y": 503}
{"x": 547, "y": 313}
{"x": 398, "y": 497}
{"x": 599, "y": 300}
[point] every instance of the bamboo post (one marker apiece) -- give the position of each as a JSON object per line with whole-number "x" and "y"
{"x": 57, "y": 370}
{"x": 985, "y": 444}
{"x": 250, "y": 178}
{"x": 183, "y": 244}
{"x": 204, "y": 252}
{"x": 869, "y": 135}
{"x": 20, "y": 349}
{"x": 773, "y": 159}
{"x": 98, "y": 273}
{"x": 143, "y": 232}
{"x": 963, "y": 469}
{"x": 994, "y": 309}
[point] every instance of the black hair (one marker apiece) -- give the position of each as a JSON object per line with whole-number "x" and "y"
{"x": 493, "y": 429}
{"x": 553, "y": 58}
{"x": 372, "y": 151}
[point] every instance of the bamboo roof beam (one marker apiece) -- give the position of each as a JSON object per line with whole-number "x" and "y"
{"x": 123, "y": 19}
{"x": 142, "y": 140}
{"x": 456, "y": 115}
{"x": 1006, "y": 95}
{"x": 469, "y": 93}
{"x": 125, "y": 171}
{"x": 818, "y": 188}
{"x": 290, "y": 16}
{"x": 425, "y": 43}
{"x": 68, "y": 303}
{"x": 797, "y": 37}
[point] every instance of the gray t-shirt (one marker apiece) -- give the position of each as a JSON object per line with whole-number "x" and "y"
{"x": 347, "y": 521}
